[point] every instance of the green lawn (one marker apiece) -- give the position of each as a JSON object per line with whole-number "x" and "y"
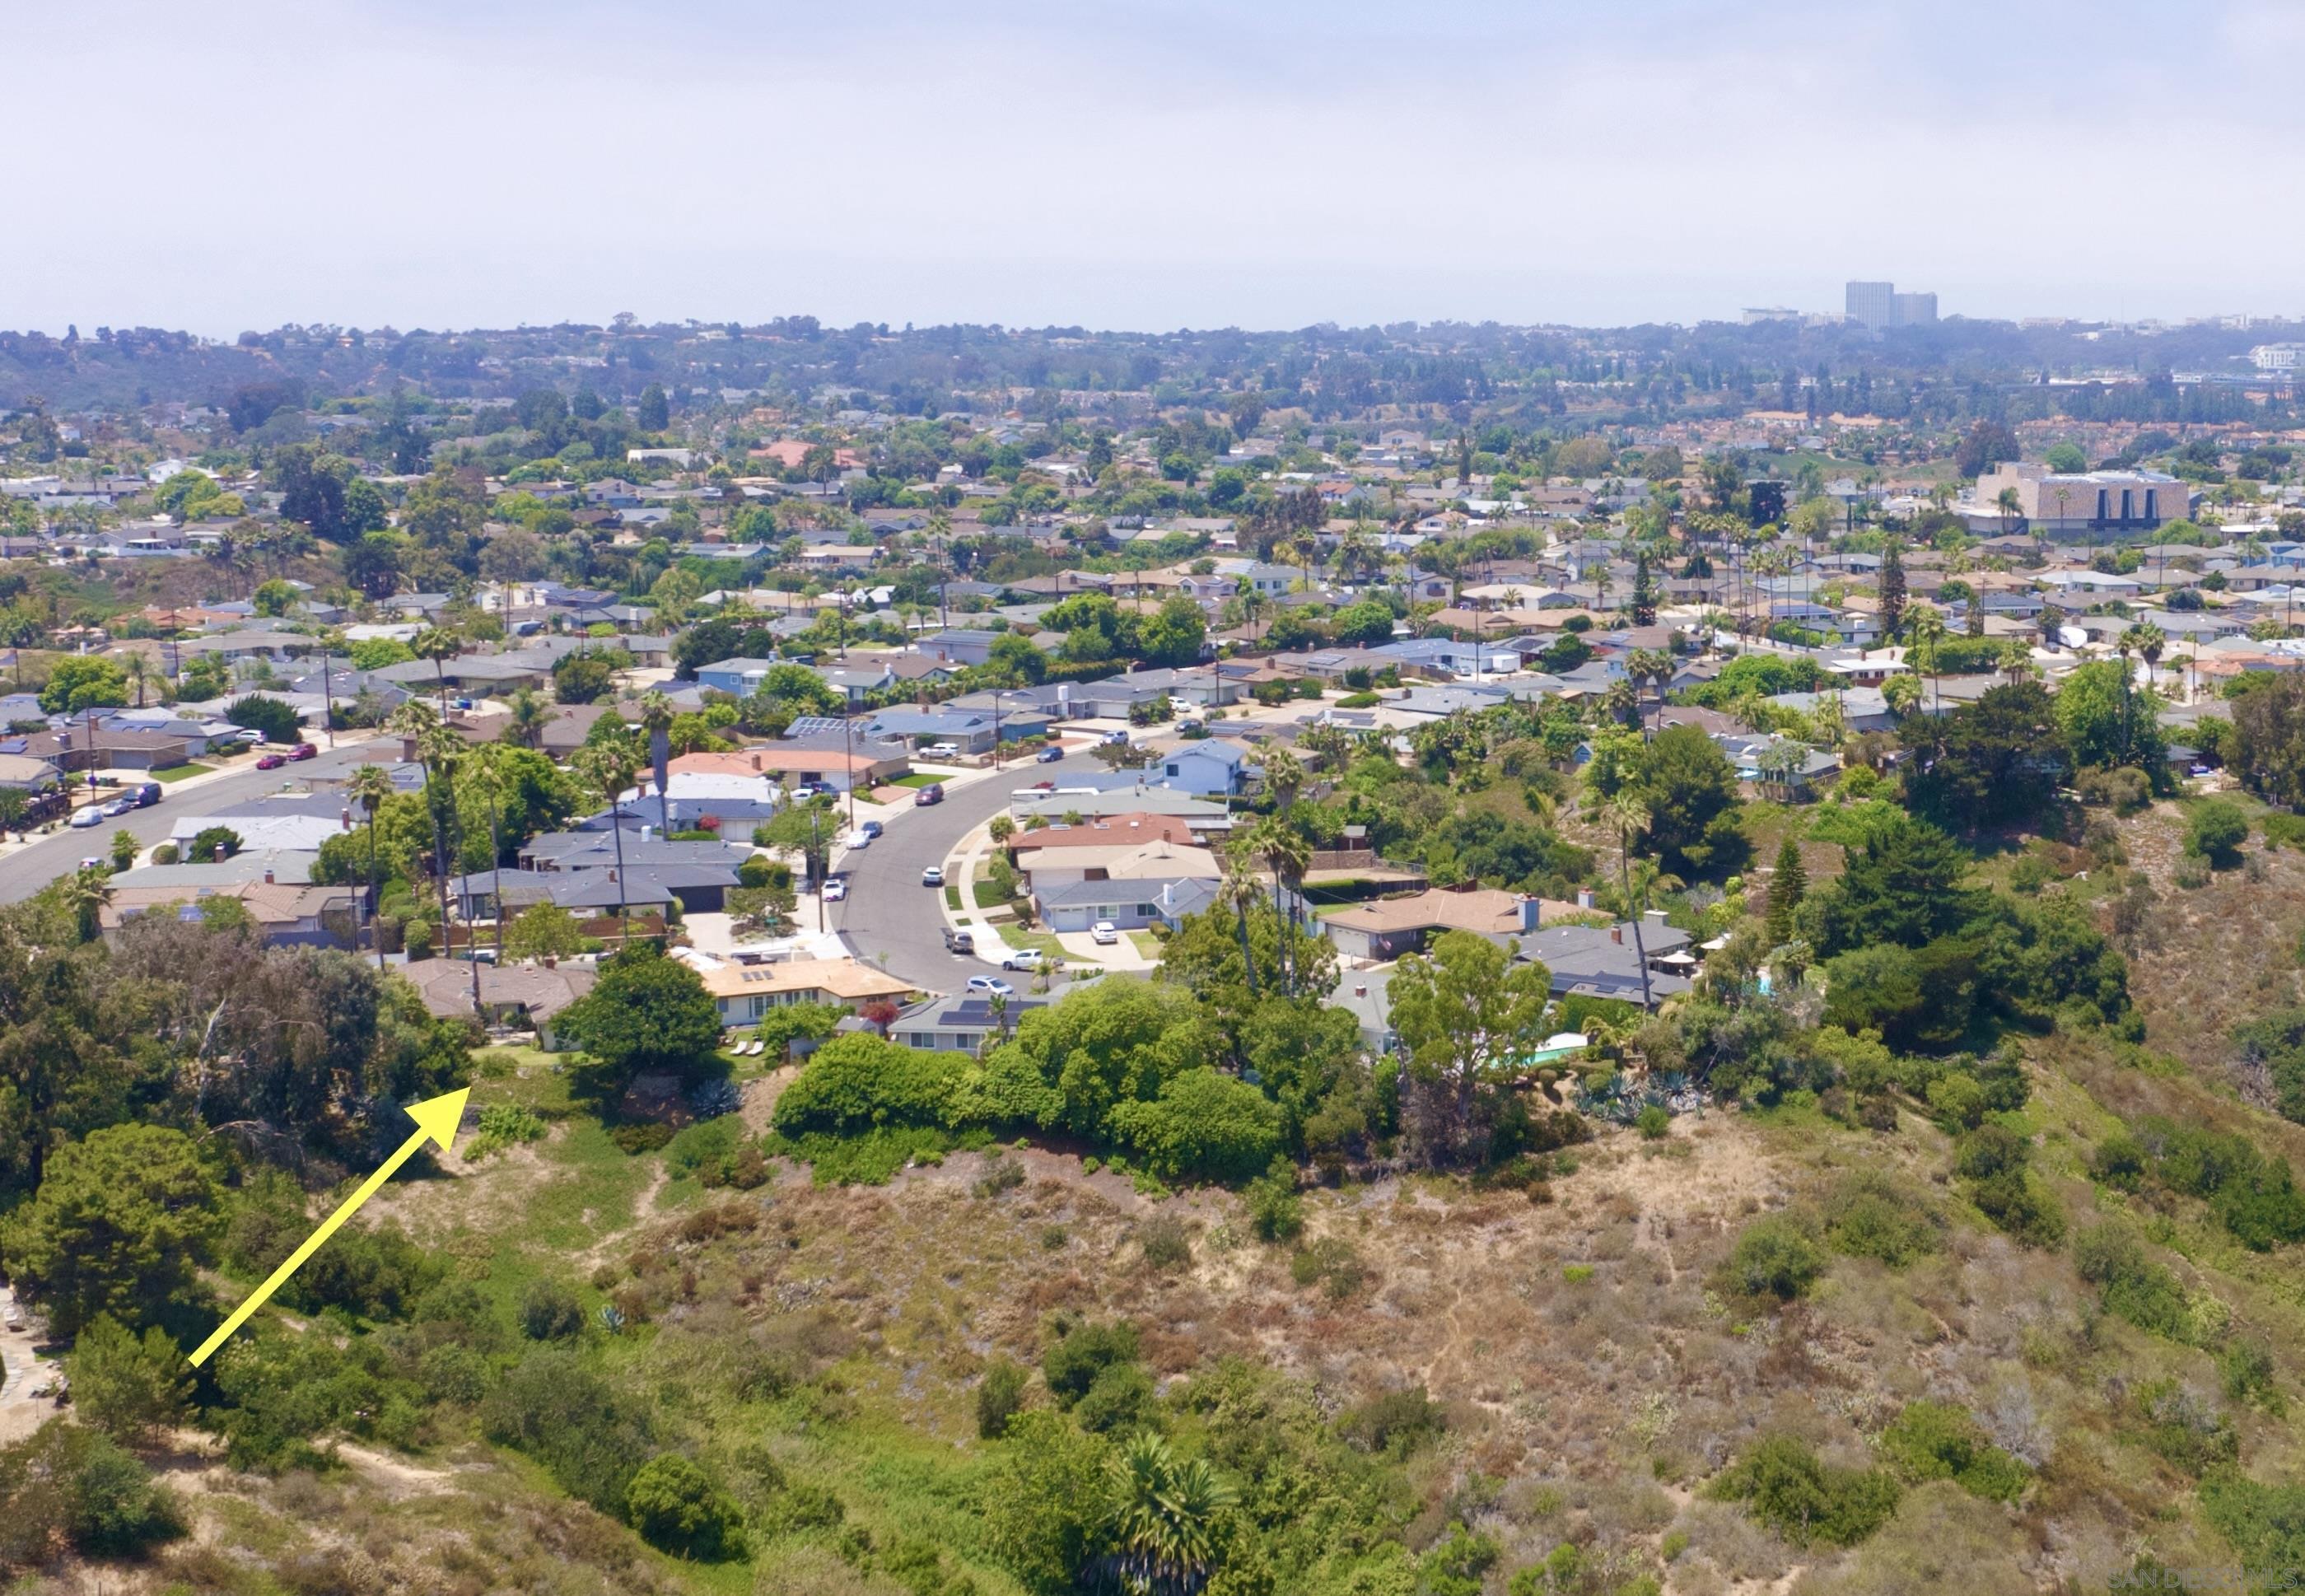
{"x": 989, "y": 896}
{"x": 1145, "y": 943}
{"x": 179, "y": 772}
{"x": 917, "y": 779}
{"x": 951, "y": 896}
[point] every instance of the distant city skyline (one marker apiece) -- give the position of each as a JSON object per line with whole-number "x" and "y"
{"x": 1176, "y": 163}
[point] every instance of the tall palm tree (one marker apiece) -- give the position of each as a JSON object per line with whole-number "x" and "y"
{"x": 1239, "y": 889}
{"x": 488, "y": 781}
{"x": 657, "y": 715}
{"x": 437, "y": 749}
{"x": 1928, "y": 632}
{"x": 608, "y": 770}
{"x": 439, "y": 644}
{"x": 140, "y": 671}
{"x": 1287, "y": 855}
{"x": 1625, "y": 817}
{"x": 2016, "y": 661}
{"x": 369, "y": 786}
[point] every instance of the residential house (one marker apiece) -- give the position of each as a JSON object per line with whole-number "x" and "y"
{"x": 522, "y": 996}
{"x": 744, "y": 993}
{"x": 1129, "y": 905}
{"x": 1384, "y": 929}
{"x": 962, "y": 1025}
{"x": 1211, "y": 765}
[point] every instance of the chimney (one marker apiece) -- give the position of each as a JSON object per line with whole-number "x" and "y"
{"x": 267, "y": 876}
{"x": 552, "y": 961}
{"x": 1584, "y": 897}
{"x": 1617, "y": 935}
{"x": 756, "y": 761}
{"x": 344, "y": 816}
{"x": 220, "y": 853}
{"x": 612, "y": 872}
{"x": 1532, "y": 911}
{"x": 408, "y": 750}
{"x": 1654, "y": 917}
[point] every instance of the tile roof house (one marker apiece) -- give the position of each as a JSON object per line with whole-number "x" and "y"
{"x": 745, "y": 992}
{"x": 530, "y": 995}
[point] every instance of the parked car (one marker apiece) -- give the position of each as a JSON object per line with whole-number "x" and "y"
{"x": 1024, "y": 958}
{"x": 809, "y": 789}
{"x": 1190, "y": 724}
{"x": 933, "y": 876}
{"x": 118, "y": 807}
{"x": 932, "y": 793}
{"x": 82, "y": 818}
{"x": 1104, "y": 932}
{"x": 248, "y": 735}
{"x": 861, "y": 839}
{"x": 1115, "y": 739}
{"x": 835, "y": 890}
{"x": 147, "y": 793}
{"x": 958, "y": 941}
{"x": 992, "y": 986}
{"x": 870, "y": 828}
{"x": 941, "y": 750}
{"x": 271, "y": 761}
{"x": 304, "y": 750}
{"x": 1050, "y": 755}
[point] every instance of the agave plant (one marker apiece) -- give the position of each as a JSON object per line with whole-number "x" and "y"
{"x": 716, "y": 1098}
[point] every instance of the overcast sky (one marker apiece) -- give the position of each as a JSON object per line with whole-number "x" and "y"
{"x": 1153, "y": 165}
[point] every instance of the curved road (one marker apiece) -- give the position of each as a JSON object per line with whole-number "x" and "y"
{"x": 889, "y": 917}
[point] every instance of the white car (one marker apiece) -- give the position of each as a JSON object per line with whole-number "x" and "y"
{"x": 940, "y": 751}
{"x": 1024, "y": 958}
{"x": 860, "y": 839}
{"x": 933, "y": 876}
{"x": 84, "y": 819}
{"x": 992, "y": 986}
{"x": 1104, "y": 932}
{"x": 835, "y": 890}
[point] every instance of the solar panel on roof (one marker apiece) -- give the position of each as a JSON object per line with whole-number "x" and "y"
{"x": 810, "y": 726}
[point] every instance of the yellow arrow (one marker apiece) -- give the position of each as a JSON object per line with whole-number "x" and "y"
{"x": 436, "y": 1121}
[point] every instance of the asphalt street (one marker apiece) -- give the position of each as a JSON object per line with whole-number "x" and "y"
{"x": 25, "y": 870}
{"x": 889, "y": 917}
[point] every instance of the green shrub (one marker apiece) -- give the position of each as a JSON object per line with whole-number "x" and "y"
{"x": 1996, "y": 1163}
{"x": 1274, "y": 1210}
{"x": 1117, "y": 1400}
{"x": 1782, "y": 1483}
{"x": 2216, "y": 831}
{"x": 857, "y": 1082}
{"x": 1082, "y": 1353}
{"x": 557, "y": 1410}
{"x": 642, "y": 1137}
{"x": 2264, "y": 1522}
{"x": 677, "y": 1508}
{"x": 1165, "y": 1242}
{"x": 1205, "y": 1124}
{"x": 708, "y": 1142}
{"x": 1333, "y": 1263}
{"x": 999, "y": 1396}
{"x": 68, "y": 1483}
{"x": 1359, "y": 700}
{"x": 2245, "y": 1369}
{"x": 2179, "y": 1427}
{"x": 1935, "y": 1441}
{"x": 503, "y": 1126}
{"x": 2133, "y": 1286}
{"x": 1654, "y": 1121}
{"x": 549, "y": 1312}
{"x": 2119, "y": 1161}
{"x": 1775, "y": 1257}
{"x": 1869, "y": 1215}
{"x": 1396, "y": 1422}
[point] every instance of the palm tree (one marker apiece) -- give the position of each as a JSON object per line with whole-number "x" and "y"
{"x": 1252, "y": 604}
{"x": 1652, "y": 667}
{"x": 1284, "y": 779}
{"x": 657, "y": 716}
{"x": 1239, "y": 889}
{"x": 1928, "y": 632}
{"x": 369, "y": 786}
{"x": 439, "y": 644}
{"x": 437, "y": 749}
{"x": 86, "y": 892}
{"x": 488, "y": 781}
{"x": 608, "y": 768}
{"x": 1162, "y": 1520}
{"x": 2152, "y": 642}
{"x": 529, "y": 715}
{"x": 140, "y": 671}
{"x": 1287, "y": 855}
{"x": 1626, "y": 818}
{"x": 2016, "y": 661}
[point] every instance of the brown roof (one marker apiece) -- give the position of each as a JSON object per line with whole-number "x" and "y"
{"x": 1119, "y": 830}
{"x": 769, "y": 759}
{"x": 1482, "y": 909}
{"x": 446, "y": 985}
{"x": 842, "y": 979}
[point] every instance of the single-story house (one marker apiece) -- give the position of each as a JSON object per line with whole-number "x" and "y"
{"x": 1209, "y": 766}
{"x": 1130, "y": 905}
{"x": 962, "y": 1025}
{"x": 1384, "y": 929}
{"x": 514, "y": 995}
{"x": 745, "y": 992}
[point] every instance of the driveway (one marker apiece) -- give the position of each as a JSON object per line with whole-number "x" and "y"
{"x": 891, "y": 918}
{"x": 24, "y": 870}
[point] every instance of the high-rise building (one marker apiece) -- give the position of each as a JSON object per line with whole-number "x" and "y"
{"x": 1878, "y": 305}
{"x": 1873, "y": 304}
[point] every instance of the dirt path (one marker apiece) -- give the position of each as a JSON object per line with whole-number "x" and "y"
{"x": 31, "y": 1367}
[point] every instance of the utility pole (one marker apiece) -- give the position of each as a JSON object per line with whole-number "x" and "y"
{"x": 815, "y": 820}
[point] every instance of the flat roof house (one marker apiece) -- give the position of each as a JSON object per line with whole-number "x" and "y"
{"x": 745, "y": 992}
